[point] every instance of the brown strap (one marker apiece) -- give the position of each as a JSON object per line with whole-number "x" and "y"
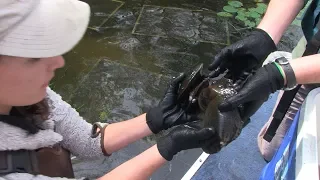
{"x": 55, "y": 162}
{"x": 95, "y": 133}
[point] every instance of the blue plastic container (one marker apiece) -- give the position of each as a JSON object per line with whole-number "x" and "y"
{"x": 282, "y": 164}
{"x": 298, "y": 156}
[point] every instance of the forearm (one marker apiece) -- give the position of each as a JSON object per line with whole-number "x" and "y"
{"x": 119, "y": 135}
{"x": 140, "y": 167}
{"x": 279, "y": 16}
{"x": 307, "y": 69}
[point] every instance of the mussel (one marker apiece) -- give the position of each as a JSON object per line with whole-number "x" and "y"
{"x": 202, "y": 96}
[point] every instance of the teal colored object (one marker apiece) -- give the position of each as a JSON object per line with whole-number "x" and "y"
{"x": 308, "y": 22}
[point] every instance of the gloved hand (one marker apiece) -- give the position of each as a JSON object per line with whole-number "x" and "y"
{"x": 259, "y": 86}
{"x": 169, "y": 112}
{"x": 185, "y": 137}
{"x": 243, "y": 56}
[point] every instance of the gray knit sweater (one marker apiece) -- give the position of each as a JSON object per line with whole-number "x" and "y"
{"x": 65, "y": 126}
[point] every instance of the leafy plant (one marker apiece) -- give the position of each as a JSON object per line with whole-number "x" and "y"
{"x": 230, "y": 9}
{"x": 249, "y": 23}
{"x": 249, "y": 16}
{"x": 241, "y": 18}
{"x": 225, "y": 14}
{"x": 103, "y": 115}
{"x": 262, "y": 5}
{"x": 236, "y": 4}
{"x": 254, "y": 14}
{"x": 259, "y": 10}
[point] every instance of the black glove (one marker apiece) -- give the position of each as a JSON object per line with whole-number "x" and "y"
{"x": 259, "y": 86}
{"x": 243, "y": 56}
{"x": 185, "y": 137}
{"x": 169, "y": 112}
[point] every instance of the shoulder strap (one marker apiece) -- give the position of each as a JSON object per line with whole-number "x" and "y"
{"x": 21, "y": 161}
{"x": 312, "y": 48}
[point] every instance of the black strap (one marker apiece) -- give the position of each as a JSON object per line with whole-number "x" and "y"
{"x": 20, "y": 161}
{"x": 312, "y": 48}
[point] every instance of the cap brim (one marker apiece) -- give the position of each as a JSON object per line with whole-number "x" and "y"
{"x": 53, "y": 28}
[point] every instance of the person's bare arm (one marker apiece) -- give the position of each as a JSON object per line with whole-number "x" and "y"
{"x": 279, "y": 16}
{"x": 118, "y": 135}
{"x": 138, "y": 168}
{"x": 307, "y": 69}
{"x": 182, "y": 137}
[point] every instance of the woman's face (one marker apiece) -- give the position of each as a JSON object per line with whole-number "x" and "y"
{"x": 23, "y": 81}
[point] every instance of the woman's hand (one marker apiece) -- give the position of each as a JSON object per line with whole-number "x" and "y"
{"x": 259, "y": 86}
{"x": 240, "y": 58}
{"x": 169, "y": 112}
{"x": 182, "y": 137}
{"x": 185, "y": 137}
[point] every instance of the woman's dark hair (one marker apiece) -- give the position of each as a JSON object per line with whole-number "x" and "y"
{"x": 31, "y": 114}
{"x": 40, "y": 109}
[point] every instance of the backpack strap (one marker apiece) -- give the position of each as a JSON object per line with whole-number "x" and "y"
{"x": 21, "y": 161}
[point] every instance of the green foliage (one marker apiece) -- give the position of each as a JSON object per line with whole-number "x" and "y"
{"x": 224, "y": 14}
{"x": 254, "y": 15}
{"x": 235, "y": 4}
{"x": 259, "y": 10}
{"x": 251, "y": 17}
{"x": 257, "y": 21}
{"x": 252, "y": 9}
{"x": 103, "y": 115}
{"x": 249, "y": 23}
{"x": 262, "y": 5}
{"x": 230, "y": 9}
{"x": 241, "y": 18}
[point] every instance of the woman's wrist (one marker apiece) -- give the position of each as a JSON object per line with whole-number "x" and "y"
{"x": 282, "y": 73}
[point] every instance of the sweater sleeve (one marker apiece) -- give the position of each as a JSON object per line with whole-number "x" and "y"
{"x": 75, "y": 130}
{"x": 26, "y": 176}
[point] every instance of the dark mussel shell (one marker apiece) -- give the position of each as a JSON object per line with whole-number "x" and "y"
{"x": 228, "y": 125}
{"x": 209, "y": 93}
{"x": 190, "y": 83}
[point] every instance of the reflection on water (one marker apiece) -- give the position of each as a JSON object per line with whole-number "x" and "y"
{"x": 133, "y": 48}
{"x": 161, "y": 38}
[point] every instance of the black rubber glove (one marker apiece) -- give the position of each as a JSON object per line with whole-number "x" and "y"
{"x": 185, "y": 137}
{"x": 259, "y": 86}
{"x": 243, "y": 56}
{"x": 169, "y": 112}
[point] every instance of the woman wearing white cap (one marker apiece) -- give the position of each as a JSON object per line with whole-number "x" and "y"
{"x": 38, "y": 129}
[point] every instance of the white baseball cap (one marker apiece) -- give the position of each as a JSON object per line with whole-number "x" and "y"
{"x": 41, "y": 28}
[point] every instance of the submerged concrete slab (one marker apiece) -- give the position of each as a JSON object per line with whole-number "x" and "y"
{"x": 113, "y": 92}
{"x": 180, "y": 23}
